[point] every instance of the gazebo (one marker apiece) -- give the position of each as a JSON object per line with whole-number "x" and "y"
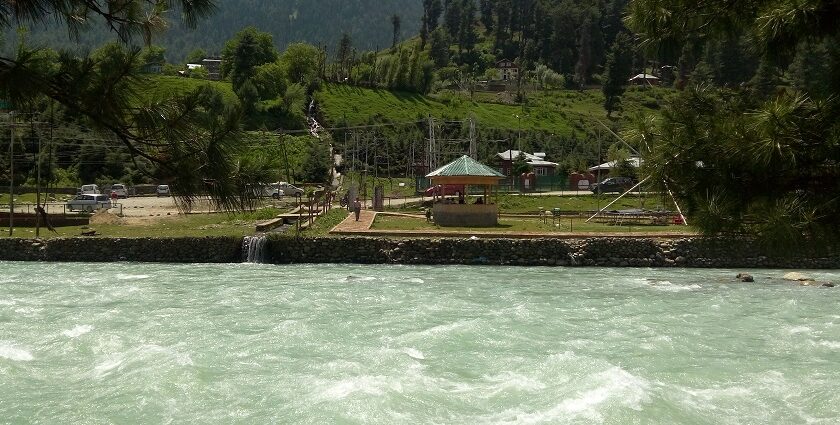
{"x": 458, "y": 212}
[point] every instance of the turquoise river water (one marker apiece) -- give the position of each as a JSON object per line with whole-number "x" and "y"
{"x": 257, "y": 344}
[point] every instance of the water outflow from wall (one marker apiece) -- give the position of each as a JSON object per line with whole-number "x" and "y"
{"x": 253, "y": 249}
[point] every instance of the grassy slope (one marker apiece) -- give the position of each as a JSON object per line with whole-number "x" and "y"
{"x": 162, "y": 86}
{"x": 560, "y": 111}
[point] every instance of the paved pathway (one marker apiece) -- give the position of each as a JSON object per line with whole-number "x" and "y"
{"x": 350, "y": 225}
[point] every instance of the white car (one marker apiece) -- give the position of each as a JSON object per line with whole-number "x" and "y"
{"x": 89, "y": 189}
{"x": 89, "y": 203}
{"x": 162, "y": 190}
{"x": 120, "y": 190}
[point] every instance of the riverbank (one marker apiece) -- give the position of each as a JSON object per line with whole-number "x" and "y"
{"x": 591, "y": 251}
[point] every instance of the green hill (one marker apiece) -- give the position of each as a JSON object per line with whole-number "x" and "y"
{"x": 557, "y": 111}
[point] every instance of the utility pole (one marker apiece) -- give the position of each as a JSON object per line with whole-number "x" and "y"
{"x": 473, "y": 144}
{"x": 12, "y": 175}
{"x": 432, "y": 149}
{"x": 38, "y": 191}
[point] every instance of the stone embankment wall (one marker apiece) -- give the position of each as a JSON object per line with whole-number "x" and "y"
{"x": 601, "y": 251}
{"x": 162, "y": 250}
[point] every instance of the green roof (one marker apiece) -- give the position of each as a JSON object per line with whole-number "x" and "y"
{"x": 465, "y": 166}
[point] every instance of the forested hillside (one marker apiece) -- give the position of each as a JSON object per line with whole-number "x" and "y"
{"x": 321, "y": 21}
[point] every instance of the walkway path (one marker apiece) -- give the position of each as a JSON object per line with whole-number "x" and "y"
{"x": 350, "y": 225}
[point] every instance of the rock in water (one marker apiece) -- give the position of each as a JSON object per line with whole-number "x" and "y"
{"x": 796, "y": 276}
{"x": 745, "y": 277}
{"x": 828, "y": 285}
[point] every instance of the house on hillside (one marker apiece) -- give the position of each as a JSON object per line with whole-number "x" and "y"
{"x": 508, "y": 70}
{"x": 606, "y": 167}
{"x": 536, "y": 160}
{"x": 152, "y": 68}
{"x": 214, "y": 68}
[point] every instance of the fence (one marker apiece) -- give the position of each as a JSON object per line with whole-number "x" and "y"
{"x": 51, "y": 209}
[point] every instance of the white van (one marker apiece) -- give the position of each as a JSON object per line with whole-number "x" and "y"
{"x": 89, "y": 189}
{"x": 120, "y": 190}
{"x": 89, "y": 203}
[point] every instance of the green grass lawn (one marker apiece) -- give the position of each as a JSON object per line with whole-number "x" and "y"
{"x": 526, "y": 225}
{"x": 518, "y": 204}
{"x": 190, "y": 225}
{"x": 324, "y": 224}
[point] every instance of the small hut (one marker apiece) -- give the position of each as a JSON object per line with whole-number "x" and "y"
{"x": 458, "y": 211}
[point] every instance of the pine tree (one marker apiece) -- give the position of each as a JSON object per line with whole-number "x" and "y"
{"x": 251, "y": 49}
{"x": 486, "y": 7}
{"x": 467, "y": 36}
{"x": 452, "y": 18}
{"x": 617, "y": 70}
{"x": 343, "y": 55}
{"x": 810, "y": 72}
{"x": 395, "y": 23}
{"x": 584, "y": 62}
{"x": 439, "y": 52}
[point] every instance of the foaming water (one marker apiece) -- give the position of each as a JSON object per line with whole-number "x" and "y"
{"x": 146, "y": 343}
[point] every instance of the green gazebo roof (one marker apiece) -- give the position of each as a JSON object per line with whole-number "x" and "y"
{"x": 465, "y": 167}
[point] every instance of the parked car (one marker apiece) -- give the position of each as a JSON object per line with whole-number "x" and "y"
{"x": 289, "y": 189}
{"x": 162, "y": 190}
{"x": 444, "y": 190}
{"x": 120, "y": 190}
{"x": 88, "y": 189}
{"x": 613, "y": 184}
{"x": 265, "y": 190}
{"x": 89, "y": 202}
{"x": 273, "y": 190}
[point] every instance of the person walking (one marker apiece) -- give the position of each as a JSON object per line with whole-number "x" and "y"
{"x": 357, "y": 208}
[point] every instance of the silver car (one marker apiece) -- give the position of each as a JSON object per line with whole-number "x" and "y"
{"x": 162, "y": 190}
{"x": 89, "y": 203}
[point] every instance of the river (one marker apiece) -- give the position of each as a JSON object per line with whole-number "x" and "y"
{"x": 250, "y": 343}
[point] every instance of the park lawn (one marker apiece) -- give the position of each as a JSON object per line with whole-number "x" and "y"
{"x": 323, "y": 224}
{"x": 189, "y": 225}
{"x": 527, "y": 204}
{"x": 525, "y": 225}
{"x": 520, "y": 204}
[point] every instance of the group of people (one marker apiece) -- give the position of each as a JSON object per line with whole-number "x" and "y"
{"x": 461, "y": 200}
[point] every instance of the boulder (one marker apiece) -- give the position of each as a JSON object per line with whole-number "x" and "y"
{"x": 797, "y": 277}
{"x": 745, "y": 277}
{"x": 828, "y": 285}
